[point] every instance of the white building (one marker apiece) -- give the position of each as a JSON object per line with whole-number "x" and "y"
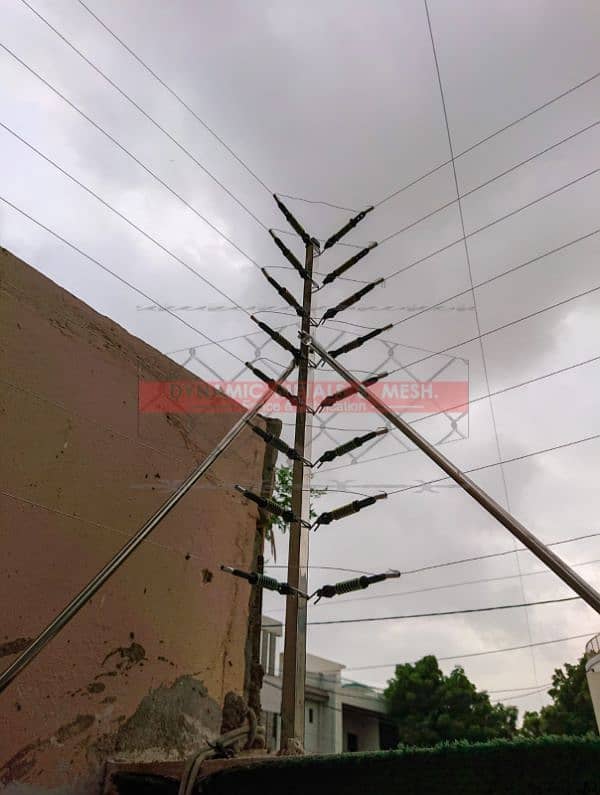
{"x": 592, "y": 667}
{"x": 340, "y": 715}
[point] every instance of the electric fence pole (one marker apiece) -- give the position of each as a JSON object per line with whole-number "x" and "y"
{"x": 298, "y": 515}
{"x": 294, "y": 654}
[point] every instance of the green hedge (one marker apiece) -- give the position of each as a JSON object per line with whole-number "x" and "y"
{"x": 561, "y": 765}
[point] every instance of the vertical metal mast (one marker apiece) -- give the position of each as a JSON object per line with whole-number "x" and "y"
{"x": 294, "y": 655}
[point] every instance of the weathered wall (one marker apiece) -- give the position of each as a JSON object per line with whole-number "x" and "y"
{"x": 142, "y": 670}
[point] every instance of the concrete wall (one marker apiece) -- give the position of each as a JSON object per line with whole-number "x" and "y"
{"x": 364, "y": 726}
{"x": 142, "y": 670}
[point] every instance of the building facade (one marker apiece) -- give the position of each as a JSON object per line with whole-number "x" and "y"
{"x": 592, "y": 653}
{"x": 340, "y": 715}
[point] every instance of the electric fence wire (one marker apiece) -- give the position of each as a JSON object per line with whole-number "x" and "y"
{"x": 471, "y": 402}
{"x": 489, "y": 137}
{"x": 215, "y": 228}
{"x": 489, "y": 181}
{"x": 485, "y": 282}
{"x": 494, "y": 330}
{"x": 433, "y": 588}
{"x": 445, "y": 564}
{"x": 481, "y": 468}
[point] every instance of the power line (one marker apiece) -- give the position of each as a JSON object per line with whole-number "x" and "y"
{"x": 477, "y": 319}
{"x": 144, "y": 113}
{"x": 507, "y": 325}
{"x": 176, "y": 96}
{"x": 489, "y": 137}
{"x": 377, "y": 693}
{"x": 536, "y": 692}
{"x": 461, "y": 196}
{"x": 485, "y": 282}
{"x": 511, "y": 270}
{"x": 444, "y": 564}
{"x": 468, "y": 655}
{"x": 126, "y": 219}
{"x": 495, "y": 221}
{"x": 465, "y": 237}
{"x": 116, "y": 276}
{"x": 370, "y": 619}
{"x": 131, "y": 155}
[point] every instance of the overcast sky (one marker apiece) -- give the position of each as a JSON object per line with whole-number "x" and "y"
{"x": 339, "y": 102}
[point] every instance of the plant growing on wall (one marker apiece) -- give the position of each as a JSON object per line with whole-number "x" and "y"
{"x": 282, "y": 493}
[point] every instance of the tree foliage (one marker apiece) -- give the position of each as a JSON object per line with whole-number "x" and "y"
{"x": 282, "y": 493}
{"x": 429, "y": 707}
{"x": 571, "y": 711}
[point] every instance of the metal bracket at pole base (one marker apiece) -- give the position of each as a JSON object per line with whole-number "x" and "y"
{"x": 540, "y": 550}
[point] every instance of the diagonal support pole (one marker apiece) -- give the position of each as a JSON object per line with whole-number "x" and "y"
{"x": 540, "y": 550}
{"x": 63, "y": 618}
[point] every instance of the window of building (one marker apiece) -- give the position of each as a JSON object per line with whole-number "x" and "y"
{"x": 352, "y": 741}
{"x": 311, "y": 715}
{"x": 268, "y": 652}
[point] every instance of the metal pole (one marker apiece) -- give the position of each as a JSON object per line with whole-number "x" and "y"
{"x": 540, "y": 550}
{"x": 294, "y": 654}
{"x": 98, "y": 581}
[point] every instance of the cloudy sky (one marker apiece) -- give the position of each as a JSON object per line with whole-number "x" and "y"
{"x": 339, "y": 103}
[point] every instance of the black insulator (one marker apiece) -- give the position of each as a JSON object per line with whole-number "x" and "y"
{"x": 346, "y": 228}
{"x": 278, "y": 443}
{"x": 268, "y": 505}
{"x": 285, "y": 294}
{"x": 348, "y": 264}
{"x": 261, "y": 580}
{"x": 296, "y": 226}
{"x": 356, "y": 343}
{"x": 352, "y": 299}
{"x": 348, "y": 391}
{"x": 281, "y": 390}
{"x": 357, "y": 441}
{"x": 289, "y": 255}
{"x": 277, "y": 337}
{"x": 357, "y": 584}
{"x": 347, "y": 510}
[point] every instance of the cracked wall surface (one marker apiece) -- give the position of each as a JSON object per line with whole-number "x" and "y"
{"x": 142, "y": 669}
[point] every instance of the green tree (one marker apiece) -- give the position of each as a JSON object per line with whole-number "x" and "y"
{"x": 429, "y": 707}
{"x": 282, "y": 493}
{"x": 571, "y": 711}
